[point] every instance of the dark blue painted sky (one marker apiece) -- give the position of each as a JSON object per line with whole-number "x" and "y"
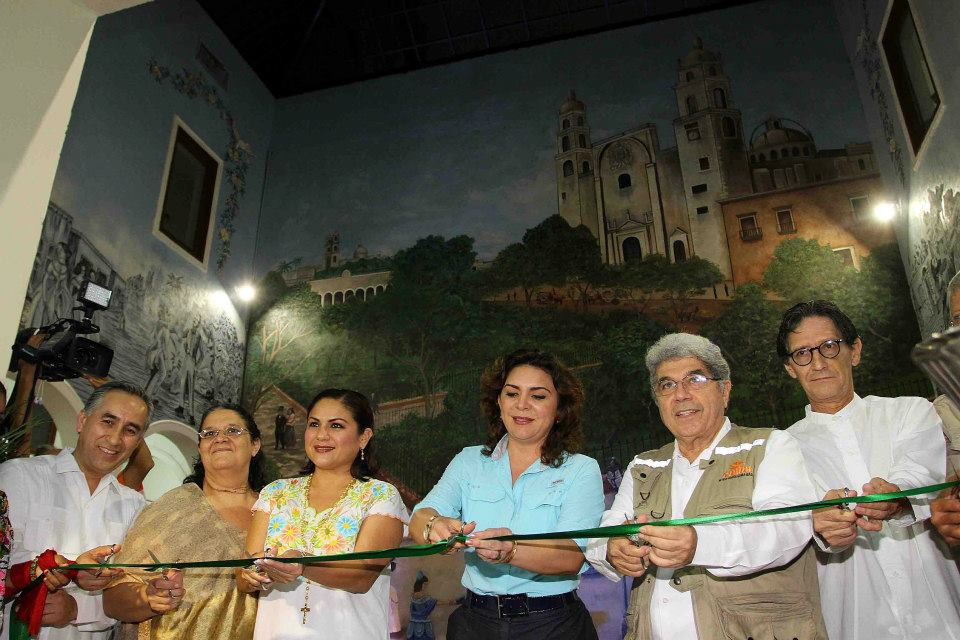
{"x": 468, "y": 148}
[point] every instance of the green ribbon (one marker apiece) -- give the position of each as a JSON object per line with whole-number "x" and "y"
{"x": 614, "y": 531}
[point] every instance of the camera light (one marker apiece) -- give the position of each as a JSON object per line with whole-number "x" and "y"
{"x": 95, "y": 295}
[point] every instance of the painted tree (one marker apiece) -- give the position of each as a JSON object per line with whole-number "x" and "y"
{"x": 747, "y": 333}
{"x": 281, "y": 341}
{"x": 427, "y": 315}
{"x": 515, "y": 267}
{"x": 678, "y": 283}
{"x": 807, "y": 270}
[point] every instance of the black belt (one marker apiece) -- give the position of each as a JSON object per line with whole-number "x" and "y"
{"x": 519, "y": 604}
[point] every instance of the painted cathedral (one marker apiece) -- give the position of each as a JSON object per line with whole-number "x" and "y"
{"x": 640, "y": 199}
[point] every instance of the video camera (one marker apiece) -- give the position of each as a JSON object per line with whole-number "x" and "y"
{"x": 65, "y": 354}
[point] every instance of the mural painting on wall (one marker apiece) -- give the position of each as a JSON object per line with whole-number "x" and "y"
{"x": 238, "y": 154}
{"x": 935, "y": 258}
{"x": 634, "y": 239}
{"x": 167, "y": 334}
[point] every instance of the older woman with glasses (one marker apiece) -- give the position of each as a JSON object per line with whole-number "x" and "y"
{"x": 527, "y": 478}
{"x": 205, "y": 519}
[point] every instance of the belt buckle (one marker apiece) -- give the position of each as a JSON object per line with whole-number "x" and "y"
{"x": 509, "y": 611}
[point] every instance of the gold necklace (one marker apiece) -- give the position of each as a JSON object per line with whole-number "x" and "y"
{"x": 243, "y": 489}
{"x": 306, "y": 594}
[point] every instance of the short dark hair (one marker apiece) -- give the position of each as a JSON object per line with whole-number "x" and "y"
{"x": 362, "y": 412}
{"x": 257, "y": 476}
{"x": 566, "y": 436}
{"x": 821, "y": 308}
{"x": 95, "y": 399}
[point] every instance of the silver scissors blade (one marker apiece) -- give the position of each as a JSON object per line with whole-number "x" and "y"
{"x": 159, "y": 564}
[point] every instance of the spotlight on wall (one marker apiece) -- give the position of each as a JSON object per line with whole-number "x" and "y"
{"x": 246, "y": 292}
{"x": 885, "y": 211}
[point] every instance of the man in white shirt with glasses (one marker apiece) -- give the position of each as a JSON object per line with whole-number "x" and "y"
{"x": 882, "y": 575}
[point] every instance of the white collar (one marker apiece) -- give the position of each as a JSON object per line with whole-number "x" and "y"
{"x": 707, "y": 453}
{"x": 850, "y": 411}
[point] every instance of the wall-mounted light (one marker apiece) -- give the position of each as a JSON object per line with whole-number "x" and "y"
{"x": 885, "y": 211}
{"x": 246, "y": 292}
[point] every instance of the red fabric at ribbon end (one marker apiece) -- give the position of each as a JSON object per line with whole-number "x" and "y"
{"x": 29, "y": 604}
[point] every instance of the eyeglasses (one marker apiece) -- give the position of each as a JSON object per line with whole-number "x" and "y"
{"x": 827, "y": 349}
{"x": 233, "y": 432}
{"x": 690, "y": 382}
{"x": 955, "y": 320}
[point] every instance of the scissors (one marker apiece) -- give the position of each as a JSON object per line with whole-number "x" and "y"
{"x": 106, "y": 560}
{"x": 452, "y": 540}
{"x": 160, "y": 567}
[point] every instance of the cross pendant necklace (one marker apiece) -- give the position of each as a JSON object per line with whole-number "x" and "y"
{"x": 306, "y": 603}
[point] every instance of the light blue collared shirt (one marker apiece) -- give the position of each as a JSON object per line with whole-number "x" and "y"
{"x": 479, "y": 488}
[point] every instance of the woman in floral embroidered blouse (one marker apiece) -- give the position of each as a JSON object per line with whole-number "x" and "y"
{"x": 336, "y": 508}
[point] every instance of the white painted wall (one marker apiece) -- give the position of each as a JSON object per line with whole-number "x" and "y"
{"x": 43, "y": 46}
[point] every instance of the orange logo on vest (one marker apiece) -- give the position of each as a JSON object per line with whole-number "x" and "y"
{"x": 737, "y": 470}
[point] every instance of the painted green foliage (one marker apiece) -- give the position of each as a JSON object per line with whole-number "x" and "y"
{"x": 442, "y": 320}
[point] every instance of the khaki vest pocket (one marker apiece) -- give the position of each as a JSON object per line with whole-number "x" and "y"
{"x": 771, "y": 616}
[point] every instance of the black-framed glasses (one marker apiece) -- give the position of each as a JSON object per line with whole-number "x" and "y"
{"x": 232, "y": 431}
{"x": 828, "y": 349}
{"x": 690, "y": 382}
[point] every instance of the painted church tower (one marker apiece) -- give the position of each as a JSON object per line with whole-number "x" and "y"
{"x": 576, "y": 200}
{"x": 713, "y": 159}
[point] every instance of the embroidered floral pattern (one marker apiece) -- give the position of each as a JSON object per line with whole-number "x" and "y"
{"x": 295, "y": 525}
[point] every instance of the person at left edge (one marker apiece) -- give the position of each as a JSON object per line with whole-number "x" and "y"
{"x": 528, "y": 478}
{"x": 72, "y": 502}
{"x": 738, "y": 579}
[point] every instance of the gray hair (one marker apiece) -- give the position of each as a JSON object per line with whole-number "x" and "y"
{"x": 96, "y": 398}
{"x": 953, "y": 288}
{"x": 686, "y": 345}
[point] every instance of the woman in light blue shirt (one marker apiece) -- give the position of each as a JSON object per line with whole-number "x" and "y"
{"x": 527, "y": 478}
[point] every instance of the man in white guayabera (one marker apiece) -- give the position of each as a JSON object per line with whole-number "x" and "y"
{"x": 882, "y": 575}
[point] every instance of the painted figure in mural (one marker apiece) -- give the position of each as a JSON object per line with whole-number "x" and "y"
{"x": 289, "y": 431}
{"x": 159, "y": 355}
{"x": 49, "y": 295}
{"x": 613, "y": 476}
{"x": 421, "y": 606}
{"x": 279, "y": 427}
{"x": 875, "y": 445}
{"x": 527, "y": 477}
{"x": 81, "y": 504}
{"x": 193, "y": 349}
{"x": 217, "y": 499}
{"x": 348, "y": 511}
{"x": 694, "y": 581}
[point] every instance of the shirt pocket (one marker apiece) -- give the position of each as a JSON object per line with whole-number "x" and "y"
{"x": 46, "y": 529}
{"x": 488, "y": 506}
{"x": 543, "y": 505}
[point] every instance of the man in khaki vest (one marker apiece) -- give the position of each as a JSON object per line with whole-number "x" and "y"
{"x": 753, "y": 578}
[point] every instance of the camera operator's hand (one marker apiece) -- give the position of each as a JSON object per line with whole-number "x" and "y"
{"x": 95, "y": 381}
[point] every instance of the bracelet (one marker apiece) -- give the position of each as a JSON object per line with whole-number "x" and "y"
{"x": 507, "y": 559}
{"x": 427, "y": 527}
